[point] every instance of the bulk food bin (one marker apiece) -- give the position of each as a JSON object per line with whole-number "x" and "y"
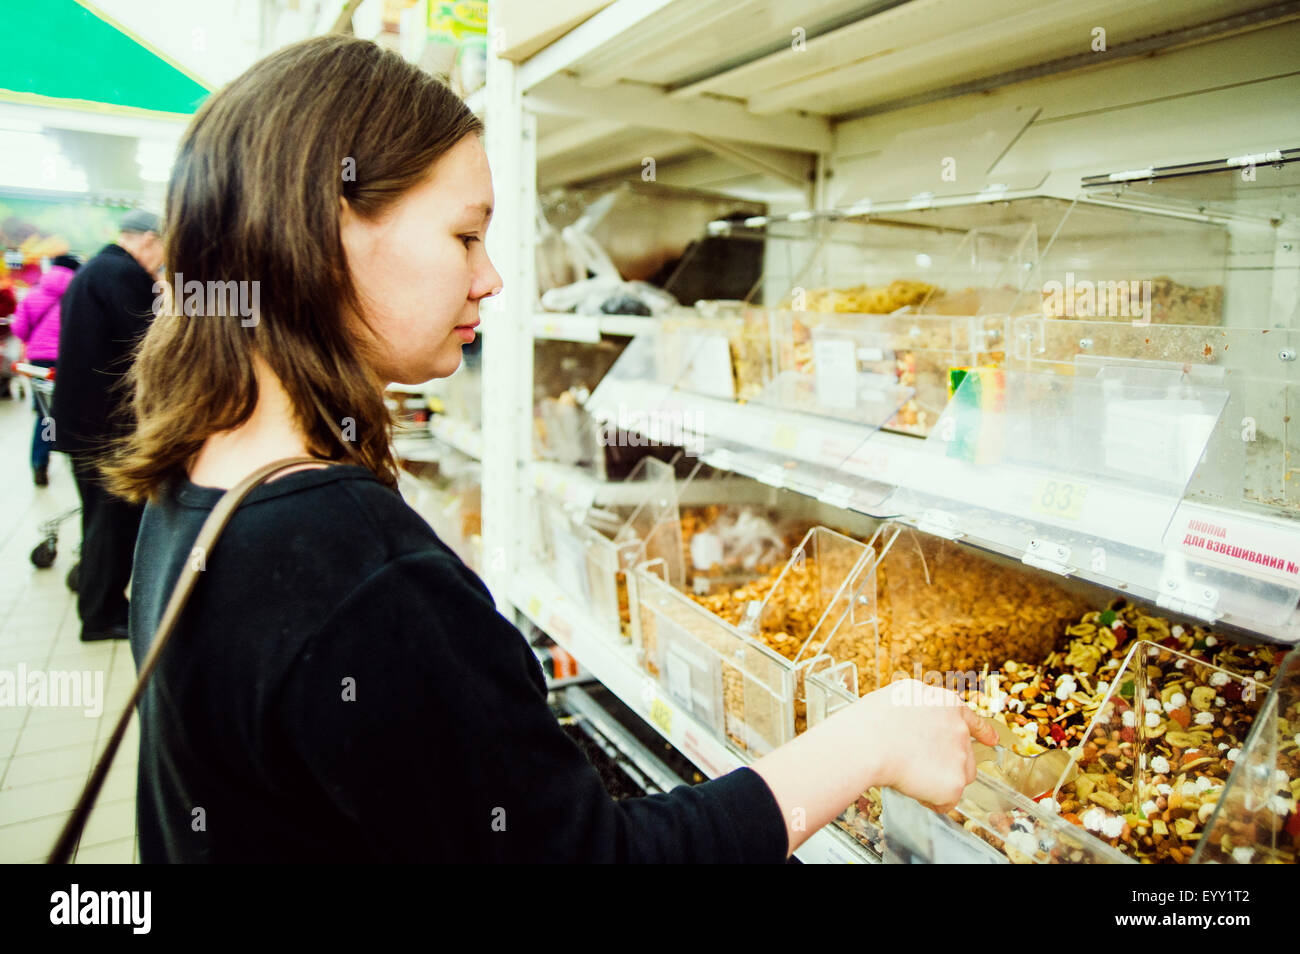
{"x": 1255, "y": 820}
{"x": 946, "y": 614}
{"x": 872, "y": 266}
{"x": 1216, "y": 244}
{"x": 591, "y": 563}
{"x": 735, "y": 656}
{"x": 448, "y": 494}
{"x": 1127, "y": 791}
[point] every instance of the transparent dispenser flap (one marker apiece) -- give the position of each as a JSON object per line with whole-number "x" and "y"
{"x": 1256, "y": 821}
{"x": 802, "y": 428}
{"x": 654, "y": 529}
{"x": 1061, "y": 462}
{"x": 915, "y": 834}
{"x": 635, "y": 388}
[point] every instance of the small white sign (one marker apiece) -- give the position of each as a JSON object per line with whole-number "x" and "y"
{"x": 708, "y": 366}
{"x": 1251, "y": 546}
{"x": 679, "y": 676}
{"x": 835, "y": 368}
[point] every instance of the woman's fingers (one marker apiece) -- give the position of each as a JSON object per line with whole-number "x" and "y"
{"x": 981, "y": 728}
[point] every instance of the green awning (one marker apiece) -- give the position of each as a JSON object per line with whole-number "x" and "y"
{"x": 65, "y": 54}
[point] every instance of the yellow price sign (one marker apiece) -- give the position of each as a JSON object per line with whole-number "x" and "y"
{"x": 534, "y": 607}
{"x": 661, "y": 715}
{"x": 1060, "y": 498}
{"x": 785, "y": 437}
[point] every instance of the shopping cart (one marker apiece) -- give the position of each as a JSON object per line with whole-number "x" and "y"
{"x": 42, "y": 381}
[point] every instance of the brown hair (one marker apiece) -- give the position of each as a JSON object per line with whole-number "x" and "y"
{"x": 254, "y": 196}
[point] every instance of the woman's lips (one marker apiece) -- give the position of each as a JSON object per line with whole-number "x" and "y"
{"x": 466, "y": 332}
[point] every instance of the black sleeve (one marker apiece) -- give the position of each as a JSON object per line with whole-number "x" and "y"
{"x": 447, "y": 751}
{"x": 126, "y": 302}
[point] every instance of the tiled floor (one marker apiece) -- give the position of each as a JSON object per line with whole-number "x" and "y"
{"x": 46, "y": 752}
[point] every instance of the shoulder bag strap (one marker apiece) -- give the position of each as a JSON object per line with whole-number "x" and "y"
{"x": 212, "y": 527}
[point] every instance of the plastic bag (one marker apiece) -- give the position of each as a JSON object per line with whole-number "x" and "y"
{"x": 605, "y": 293}
{"x": 742, "y": 539}
{"x": 608, "y": 296}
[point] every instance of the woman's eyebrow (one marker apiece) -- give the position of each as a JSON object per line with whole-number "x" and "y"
{"x": 481, "y": 207}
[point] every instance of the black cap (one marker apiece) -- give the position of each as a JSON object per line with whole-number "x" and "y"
{"x": 138, "y": 220}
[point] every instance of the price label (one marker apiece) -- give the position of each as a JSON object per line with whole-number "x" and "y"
{"x": 661, "y": 715}
{"x": 785, "y": 437}
{"x": 679, "y": 677}
{"x": 584, "y": 328}
{"x": 1060, "y": 498}
{"x": 835, "y": 372}
{"x": 534, "y": 607}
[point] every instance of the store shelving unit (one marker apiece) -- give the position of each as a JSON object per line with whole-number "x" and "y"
{"x": 842, "y": 107}
{"x": 543, "y": 602}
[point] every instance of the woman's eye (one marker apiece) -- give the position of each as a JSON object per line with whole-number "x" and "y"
{"x": 469, "y": 240}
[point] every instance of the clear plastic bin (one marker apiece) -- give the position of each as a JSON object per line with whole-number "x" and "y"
{"x": 448, "y": 494}
{"x": 946, "y": 614}
{"x": 744, "y": 677}
{"x": 993, "y": 824}
{"x": 1256, "y": 821}
{"x": 905, "y": 297}
{"x": 1249, "y": 463}
{"x": 1157, "y": 755}
{"x": 592, "y": 566}
{"x": 949, "y": 609}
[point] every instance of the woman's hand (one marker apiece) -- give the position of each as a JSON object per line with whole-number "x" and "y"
{"x": 923, "y": 739}
{"x": 907, "y": 736}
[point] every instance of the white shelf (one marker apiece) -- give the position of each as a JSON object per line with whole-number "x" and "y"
{"x": 589, "y": 328}
{"x": 416, "y": 449}
{"x": 1139, "y": 561}
{"x": 577, "y": 489}
{"x": 459, "y": 434}
{"x": 614, "y": 665}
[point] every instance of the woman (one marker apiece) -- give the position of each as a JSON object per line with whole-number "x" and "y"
{"x": 341, "y": 686}
{"x": 36, "y": 323}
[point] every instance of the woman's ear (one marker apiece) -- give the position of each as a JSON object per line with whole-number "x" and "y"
{"x": 352, "y": 228}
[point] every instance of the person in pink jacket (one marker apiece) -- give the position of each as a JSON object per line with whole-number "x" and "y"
{"x": 36, "y": 323}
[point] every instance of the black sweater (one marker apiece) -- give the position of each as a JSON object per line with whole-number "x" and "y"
{"x": 341, "y": 688}
{"x": 104, "y": 313}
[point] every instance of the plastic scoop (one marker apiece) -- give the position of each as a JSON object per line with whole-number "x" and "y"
{"x": 1030, "y": 775}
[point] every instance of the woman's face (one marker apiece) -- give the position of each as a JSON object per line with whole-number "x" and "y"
{"x": 421, "y": 269}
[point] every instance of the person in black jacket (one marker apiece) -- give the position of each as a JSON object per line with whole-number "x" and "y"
{"x": 341, "y": 686}
{"x": 105, "y": 312}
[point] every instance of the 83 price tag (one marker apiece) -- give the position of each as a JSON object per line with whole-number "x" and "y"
{"x": 1060, "y": 498}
